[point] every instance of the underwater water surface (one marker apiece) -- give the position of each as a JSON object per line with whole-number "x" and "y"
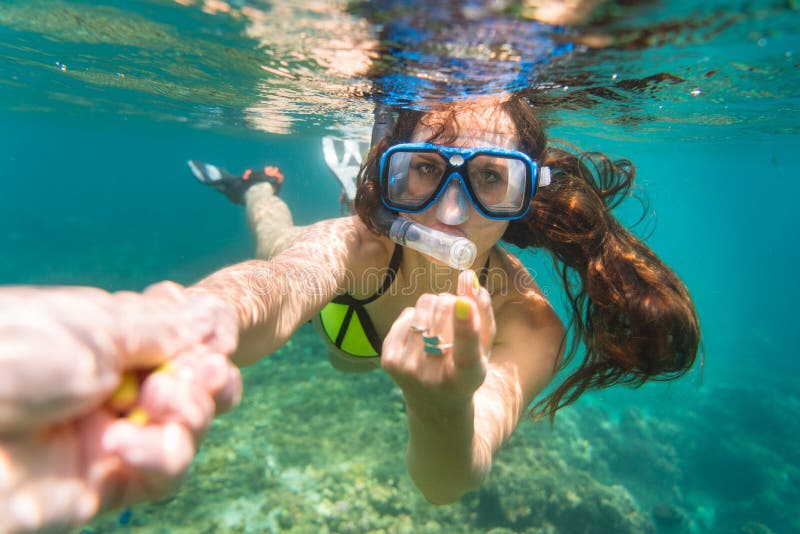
{"x": 101, "y": 104}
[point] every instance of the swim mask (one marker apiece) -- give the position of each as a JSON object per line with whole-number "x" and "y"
{"x": 500, "y": 183}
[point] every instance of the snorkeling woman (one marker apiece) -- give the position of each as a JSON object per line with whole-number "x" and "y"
{"x": 470, "y": 349}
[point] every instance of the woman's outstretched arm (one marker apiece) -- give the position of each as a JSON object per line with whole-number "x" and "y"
{"x": 451, "y": 455}
{"x": 464, "y": 403}
{"x": 272, "y": 298}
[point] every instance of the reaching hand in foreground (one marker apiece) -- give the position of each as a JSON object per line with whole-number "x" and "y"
{"x": 104, "y": 397}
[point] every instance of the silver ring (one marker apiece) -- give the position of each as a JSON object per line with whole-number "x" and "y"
{"x": 417, "y": 329}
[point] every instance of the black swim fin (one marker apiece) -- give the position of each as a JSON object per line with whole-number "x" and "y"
{"x": 232, "y": 186}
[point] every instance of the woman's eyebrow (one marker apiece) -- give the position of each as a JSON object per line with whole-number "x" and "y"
{"x": 497, "y": 167}
{"x": 427, "y": 157}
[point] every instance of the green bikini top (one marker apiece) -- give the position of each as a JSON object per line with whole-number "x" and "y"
{"x": 347, "y": 323}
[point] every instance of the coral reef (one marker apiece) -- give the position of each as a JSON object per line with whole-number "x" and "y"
{"x": 314, "y": 450}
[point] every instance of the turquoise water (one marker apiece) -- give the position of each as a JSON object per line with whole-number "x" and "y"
{"x": 102, "y": 104}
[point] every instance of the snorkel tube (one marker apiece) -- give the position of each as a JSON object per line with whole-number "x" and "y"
{"x": 456, "y": 251}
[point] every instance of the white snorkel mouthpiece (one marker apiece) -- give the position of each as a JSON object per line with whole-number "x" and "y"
{"x": 456, "y": 251}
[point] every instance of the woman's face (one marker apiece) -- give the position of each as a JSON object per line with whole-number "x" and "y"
{"x": 478, "y": 126}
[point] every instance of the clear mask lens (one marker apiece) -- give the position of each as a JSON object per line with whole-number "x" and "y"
{"x": 497, "y": 183}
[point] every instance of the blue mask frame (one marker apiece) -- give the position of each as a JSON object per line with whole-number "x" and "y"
{"x": 459, "y": 171}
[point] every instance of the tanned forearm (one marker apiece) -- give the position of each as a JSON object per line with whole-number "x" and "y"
{"x": 254, "y": 291}
{"x": 451, "y": 454}
{"x": 272, "y": 298}
{"x": 445, "y": 457}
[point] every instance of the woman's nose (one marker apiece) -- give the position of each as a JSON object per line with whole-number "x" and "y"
{"x": 453, "y": 207}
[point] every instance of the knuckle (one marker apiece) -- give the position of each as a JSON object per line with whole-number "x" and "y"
{"x": 391, "y": 362}
{"x": 445, "y": 301}
{"x": 166, "y": 289}
{"x": 407, "y": 314}
{"x": 426, "y": 299}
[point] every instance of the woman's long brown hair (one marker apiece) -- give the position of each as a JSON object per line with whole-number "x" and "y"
{"x": 632, "y": 314}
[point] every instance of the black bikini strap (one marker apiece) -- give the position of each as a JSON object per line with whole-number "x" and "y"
{"x": 484, "y": 272}
{"x": 388, "y": 280}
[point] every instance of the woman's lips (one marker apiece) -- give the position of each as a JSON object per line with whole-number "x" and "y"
{"x": 448, "y": 229}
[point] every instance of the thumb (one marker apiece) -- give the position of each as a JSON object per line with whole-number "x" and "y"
{"x": 468, "y": 284}
{"x": 466, "y": 333}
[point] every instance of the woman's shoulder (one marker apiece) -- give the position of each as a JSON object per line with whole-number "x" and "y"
{"x": 364, "y": 248}
{"x": 508, "y": 278}
{"x": 373, "y": 249}
{"x": 516, "y": 294}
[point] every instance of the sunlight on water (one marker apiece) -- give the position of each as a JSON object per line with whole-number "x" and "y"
{"x": 287, "y": 66}
{"x": 211, "y": 67}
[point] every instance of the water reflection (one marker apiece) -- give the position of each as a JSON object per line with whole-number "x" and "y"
{"x": 283, "y": 66}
